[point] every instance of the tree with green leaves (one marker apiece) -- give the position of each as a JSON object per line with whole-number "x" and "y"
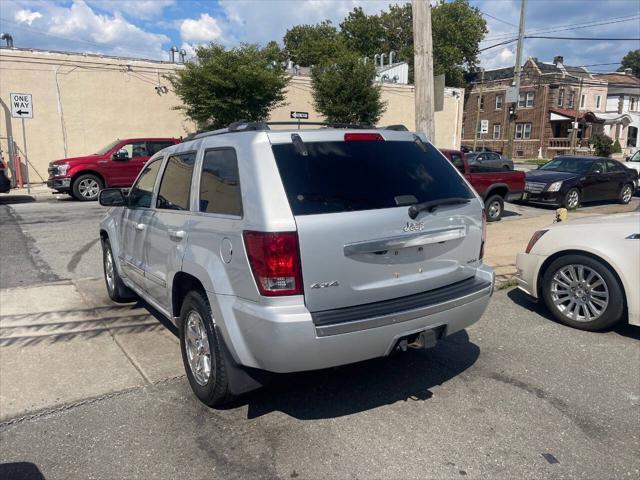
{"x": 224, "y": 86}
{"x": 631, "y": 60}
{"x": 344, "y": 90}
{"x": 363, "y": 33}
{"x": 309, "y": 45}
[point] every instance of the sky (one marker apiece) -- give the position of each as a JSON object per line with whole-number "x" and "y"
{"x": 148, "y": 28}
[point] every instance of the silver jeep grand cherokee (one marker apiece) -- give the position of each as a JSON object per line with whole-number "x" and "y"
{"x": 292, "y": 250}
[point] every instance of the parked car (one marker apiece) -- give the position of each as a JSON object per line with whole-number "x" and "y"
{"x": 633, "y": 162}
{"x": 115, "y": 165}
{"x": 489, "y": 159}
{"x": 586, "y": 271}
{"x": 494, "y": 185}
{"x": 271, "y": 251}
{"x": 5, "y": 182}
{"x": 568, "y": 181}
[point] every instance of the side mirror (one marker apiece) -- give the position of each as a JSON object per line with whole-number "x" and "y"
{"x": 112, "y": 197}
{"x": 121, "y": 154}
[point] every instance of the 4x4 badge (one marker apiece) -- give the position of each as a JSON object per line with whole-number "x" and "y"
{"x": 325, "y": 284}
{"x": 413, "y": 227}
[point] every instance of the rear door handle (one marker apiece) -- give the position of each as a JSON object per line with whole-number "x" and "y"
{"x": 176, "y": 235}
{"x": 140, "y": 226}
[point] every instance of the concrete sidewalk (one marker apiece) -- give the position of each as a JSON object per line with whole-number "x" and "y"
{"x": 65, "y": 341}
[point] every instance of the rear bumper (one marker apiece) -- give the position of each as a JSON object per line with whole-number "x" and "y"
{"x": 59, "y": 184}
{"x": 286, "y": 339}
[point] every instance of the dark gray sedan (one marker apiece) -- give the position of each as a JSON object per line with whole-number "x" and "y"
{"x": 489, "y": 159}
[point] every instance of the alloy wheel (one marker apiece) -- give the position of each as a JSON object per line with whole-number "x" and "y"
{"x": 108, "y": 270}
{"x": 627, "y": 193}
{"x": 572, "y": 199}
{"x": 494, "y": 209}
{"x": 579, "y": 293}
{"x": 197, "y": 347}
{"x": 89, "y": 188}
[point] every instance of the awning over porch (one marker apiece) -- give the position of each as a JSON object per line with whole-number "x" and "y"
{"x": 567, "y": 114}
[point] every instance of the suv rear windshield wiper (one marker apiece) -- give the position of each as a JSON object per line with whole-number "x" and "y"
{"x": 431, "y": 205}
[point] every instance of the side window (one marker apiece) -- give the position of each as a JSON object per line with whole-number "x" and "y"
{"x": 614, "y": 166}
{"x": 493, "y": 156}
{"x": 597, "y": 167}
{"x": 155, "y": 147}
{"x": 457, "y": 162}
{"x": 175, "y": 185}
{"x": 142, "y": 191}
{"x": 135, "y": 149}
{"x": 220, "y": 183}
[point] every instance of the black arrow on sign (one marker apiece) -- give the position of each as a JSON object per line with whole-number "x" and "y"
{"x": 21, "y": 112}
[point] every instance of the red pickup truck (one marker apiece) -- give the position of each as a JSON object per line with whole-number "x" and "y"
{"x": 115, "y": 165}
{"x": 494, "y": 185}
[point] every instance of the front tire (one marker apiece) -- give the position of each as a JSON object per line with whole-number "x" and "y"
{"x": 494, "y": 206}
{"x": 571, "y": 199}
{"x": 86, "y": 187}
{"x": 117, "y": 290}
{"x": 202, "y": 351}
{"x": 583, "y": 293}
{"x": 626, "y": 194}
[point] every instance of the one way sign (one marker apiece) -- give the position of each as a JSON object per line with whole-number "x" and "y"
{"x": 21, "y": 105}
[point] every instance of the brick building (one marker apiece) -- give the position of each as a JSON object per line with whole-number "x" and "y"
{"x": 547, "y": 106}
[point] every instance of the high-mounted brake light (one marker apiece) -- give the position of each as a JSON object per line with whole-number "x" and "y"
{"x": 275, "y": 262}
{"x": 363, "y": 137}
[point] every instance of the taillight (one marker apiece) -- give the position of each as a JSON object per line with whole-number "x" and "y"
{"x": 484, "y": 234}
{"x": 534, "y": 238}
{"x": 363, "y": 137}
{"x": 275, "y": 262}
{"x": 2, "y": 164}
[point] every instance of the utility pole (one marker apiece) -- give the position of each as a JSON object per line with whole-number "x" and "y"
{"x": 423, "y": 68}
{"x": 574, "y": 127}
{"x": 516, "y": 80}
{"x": 478, "y": 103}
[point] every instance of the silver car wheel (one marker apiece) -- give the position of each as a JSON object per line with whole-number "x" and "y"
{"x": 627, "y": 193}
{"x": 579, "y": 293}
{"x": 572, "y": 199}
{"x": 197, "y": 347}
{"x": 494, "y": 209}
{"x": 109, "y": 270}
{"x": 89, "y": 188}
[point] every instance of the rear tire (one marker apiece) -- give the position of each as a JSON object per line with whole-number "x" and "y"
{"x": 571, "y": 200}
{"x": 626, "y": 194}
{"x": 494, "y": 206}
{"x": 202, "y": 352}
{"x": 86, "y": 187}
{"x": 564, "y": 293}
{"x": 117, "y": 290}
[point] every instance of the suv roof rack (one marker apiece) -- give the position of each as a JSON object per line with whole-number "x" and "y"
{"x": 245, "y": 126}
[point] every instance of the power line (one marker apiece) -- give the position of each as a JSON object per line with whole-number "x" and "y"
{"x": 496, "y": 18}
{"x": 624, "y": 39}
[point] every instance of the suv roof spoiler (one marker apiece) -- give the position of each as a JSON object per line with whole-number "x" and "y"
{"x": 245, "y": 126}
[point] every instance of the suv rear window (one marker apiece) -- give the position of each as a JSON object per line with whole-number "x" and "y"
{"x": 349, "y": 176}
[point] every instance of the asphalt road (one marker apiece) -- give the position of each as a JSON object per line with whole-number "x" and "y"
{"x": 516, "y": 396}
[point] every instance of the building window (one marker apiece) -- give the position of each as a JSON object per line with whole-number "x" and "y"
{"x": 462, "y": 132}
{"x": 633, "y": 104}
{"x": 498, "y": 102}
{"x": 571, "y": 99}
{"x": 523, "y": 131}
{"x": 496, "y": 131}
{"x": 530, "y": 96}
{"x": 560, "y": 97}
{"x": 521, "y": 100}
{"x": 481, "y": 102}
{"x": 583, "y": 100}
{"x": 598, "y": 100}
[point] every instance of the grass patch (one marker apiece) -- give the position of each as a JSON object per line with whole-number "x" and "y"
{"x": 536, "y": 161}
{"x": 512, "y": 282}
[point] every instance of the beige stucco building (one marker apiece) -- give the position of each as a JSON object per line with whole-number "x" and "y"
{"x": 82, "y": 102}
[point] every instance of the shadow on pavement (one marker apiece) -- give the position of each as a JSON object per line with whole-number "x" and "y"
{"x": 336, "y": 392}
{"x": 20, "y": 471}
{"x": 522, "y": 299}
{"x": 11, "y": 199}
